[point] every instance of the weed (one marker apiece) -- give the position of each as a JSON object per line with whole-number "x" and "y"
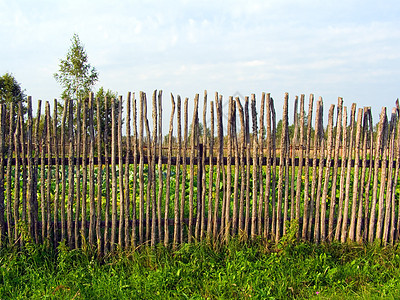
{"x": 238, "y": 269}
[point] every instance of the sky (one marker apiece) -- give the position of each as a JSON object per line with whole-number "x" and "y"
{"x": 341, "y": 48}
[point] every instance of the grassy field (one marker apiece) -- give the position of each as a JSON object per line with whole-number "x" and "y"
{"x": 243, "y": 270}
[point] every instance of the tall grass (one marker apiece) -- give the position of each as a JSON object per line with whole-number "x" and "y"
{"x": 245, "y": 270}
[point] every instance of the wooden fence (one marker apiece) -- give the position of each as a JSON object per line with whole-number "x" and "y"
{"x": 74, "y": 179}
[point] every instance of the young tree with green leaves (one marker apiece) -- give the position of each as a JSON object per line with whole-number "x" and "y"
{"x": 75, "y": 73}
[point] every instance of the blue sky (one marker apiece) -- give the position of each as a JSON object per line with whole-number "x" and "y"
{"x": 343, "y": 48}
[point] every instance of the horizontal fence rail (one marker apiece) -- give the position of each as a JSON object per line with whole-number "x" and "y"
{"x": 99, "y": 172}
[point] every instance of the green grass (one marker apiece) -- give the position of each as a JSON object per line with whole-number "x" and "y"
{"x": 243, "y": 270}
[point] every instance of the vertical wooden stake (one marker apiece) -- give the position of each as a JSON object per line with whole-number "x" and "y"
{"x": 242, "y": 166}
{"x": 153, "y": 173}
{"x": 211, "y": 175}
{"x": 183, "y": 185}
{"x": 78, "y": 173}
{"x": 268, "y": 171}
{"x": 121, "y": 178}
{"x": 260, "y": 163}
{"x": 356, "y": 176}
{"x": 192, "y": 155}
{"x": 178, "y": 170}
{"x": 281, "y": 168}
{"x": 99, "y": 176}
{"x": 70, "y": 174}
{"x": 327, "y": 172}
{"x": 134, "y": 179}
{"x": 56, "y": 175}
{"x": 335, "y": 168}
{"x": 114, "y": 176}
{"x": 306, "y": 169}
{"x": 293, "y": 153}
{"x": 167, "y": 192}
{"x": 9, "y": 178}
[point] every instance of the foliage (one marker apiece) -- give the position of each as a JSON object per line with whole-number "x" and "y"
{"x": 10, "y": 90}
{"x": 75, "y": 74}
{"x": 236, "y": 270}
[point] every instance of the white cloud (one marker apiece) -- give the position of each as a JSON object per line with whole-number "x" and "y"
{"x": 338, "y": 48}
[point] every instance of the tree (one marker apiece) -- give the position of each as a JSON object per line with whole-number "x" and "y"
{"x": 10, "y": 90}
{"x": 11, "y": 93}
{"x": 76, "y": 75}
{"x": 102, "y": 95}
